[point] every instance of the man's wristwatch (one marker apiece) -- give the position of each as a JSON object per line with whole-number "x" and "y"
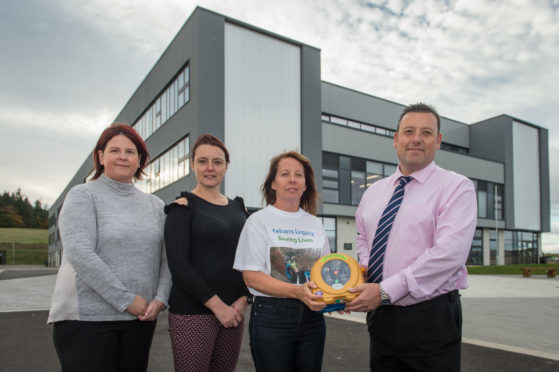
{"x": 384, "y": 297}
{"x": 250, "y": 299}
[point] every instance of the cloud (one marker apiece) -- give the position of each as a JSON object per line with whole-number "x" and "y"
{"x": 43, "y": 149}
{"x": 70, "y": 66}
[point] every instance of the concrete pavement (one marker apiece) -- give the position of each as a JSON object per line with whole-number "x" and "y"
{"x": 510, "y": 323}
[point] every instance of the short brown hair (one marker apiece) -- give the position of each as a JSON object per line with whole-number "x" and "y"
{"x": 132, "y": 135}
{"x": 309, "y": 198}
{"x": 208, "y": 139}
{"x": 420, "y": 107}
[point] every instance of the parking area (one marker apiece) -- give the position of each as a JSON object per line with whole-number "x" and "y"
{"x": 509, "y": 324}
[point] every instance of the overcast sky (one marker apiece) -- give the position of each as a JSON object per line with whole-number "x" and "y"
{"x": 67, "y": 67}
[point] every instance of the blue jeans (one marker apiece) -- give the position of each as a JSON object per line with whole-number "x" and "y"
{"x": 285, "y": 335}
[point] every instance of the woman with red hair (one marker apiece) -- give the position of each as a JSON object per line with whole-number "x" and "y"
{"x": 114, "y": 279}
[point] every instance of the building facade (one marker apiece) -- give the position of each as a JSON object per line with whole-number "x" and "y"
{"x": 262, "y": 94}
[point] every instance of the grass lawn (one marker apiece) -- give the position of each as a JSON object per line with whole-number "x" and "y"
{"x": 31, "y": 246}
{"x": 507, "y": 269}
{"x": 24, "y": 236}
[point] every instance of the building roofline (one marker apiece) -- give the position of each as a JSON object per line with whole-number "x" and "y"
{"x": 387, "y": 100}
{"x": 512, "y": 118}
{"x": 256, "y": 28}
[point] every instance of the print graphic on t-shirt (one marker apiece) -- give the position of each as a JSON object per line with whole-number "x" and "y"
{"x": 293, "y": 265}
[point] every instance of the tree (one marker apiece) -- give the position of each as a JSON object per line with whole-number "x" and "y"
{"x": 17, "y": 211}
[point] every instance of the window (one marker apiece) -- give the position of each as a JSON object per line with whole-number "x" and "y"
{"x": 330, "y": 177}
{"x": 345, "y": 179}
{"x": 389, "y": 169}
{"x": 482, "y": 200}
{"x": 167, "y": 168}
{"x": 454, "y": 148}
{"x": 374, "y": 172}
{"x": 176, "y": 95}
{"x": 493, "y": 247}
{"x": 337, "y": 120}
{"x": 521, "y": 247}
{"x": 358, "y": 186}
{"x": 489, "y": 199}
{"x": 381, "y": 131}
{"x": 330, "y": 228}
{"x": 476, "y": 252}
{"x": 52, "y": 239}
{"x": 157, "y": 113}
{"x": 52, "y": 220}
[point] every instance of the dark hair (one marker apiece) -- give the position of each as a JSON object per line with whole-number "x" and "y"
{"x": 309, "y": 198}
{"x": 132, "y": 135}
{"x": 208, "y": 139}
{"x": 420, "y": 107}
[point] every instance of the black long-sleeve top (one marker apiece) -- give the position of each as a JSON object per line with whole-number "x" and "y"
{"x": 201, "y": 241}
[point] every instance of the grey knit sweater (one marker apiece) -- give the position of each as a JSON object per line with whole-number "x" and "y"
{"x": 113, "y": 250}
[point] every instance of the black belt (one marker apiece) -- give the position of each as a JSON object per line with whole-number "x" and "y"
{"x": 448, "y": 297}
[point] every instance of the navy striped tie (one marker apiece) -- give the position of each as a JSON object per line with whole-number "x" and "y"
{"x": 376, "y": 256}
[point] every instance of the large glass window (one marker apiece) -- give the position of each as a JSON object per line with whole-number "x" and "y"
{"x": 521, "y": 247}
{"x": 350, "y": 177}
{"x": 358, "y": 182}
{"x": 476, "y": 252}
{"x": 489, "y": 199}
{"x": 493, "y": 247}
{"x": 166, "y": 168}
{"x": 330, "y": 228}
{"x": 330, "y": 178}
{"x": 358, "y": 185}
{"x": 176, "y": 95}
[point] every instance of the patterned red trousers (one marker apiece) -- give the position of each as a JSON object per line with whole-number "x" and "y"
{"x": 200, "y": 343}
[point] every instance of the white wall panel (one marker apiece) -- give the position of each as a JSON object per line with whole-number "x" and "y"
{"x": 262, "y": 107}
{"x": 526, "y": 177}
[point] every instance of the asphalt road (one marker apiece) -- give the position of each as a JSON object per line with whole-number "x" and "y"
{"x": 522, "y": 322}
{"x": 26, "y": 345}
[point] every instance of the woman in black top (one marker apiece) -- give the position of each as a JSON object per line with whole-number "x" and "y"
{"x": 208, "y": 298}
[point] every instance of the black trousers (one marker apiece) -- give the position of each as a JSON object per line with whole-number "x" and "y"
{"x": 103, "y": 346}
{"x": 422, "y": 337}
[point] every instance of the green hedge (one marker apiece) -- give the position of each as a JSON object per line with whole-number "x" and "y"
{"x": 507, "y": 269}
{"x": 26, "y": 254}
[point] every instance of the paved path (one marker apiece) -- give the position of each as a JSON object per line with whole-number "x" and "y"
{"x": 510, "y": 323}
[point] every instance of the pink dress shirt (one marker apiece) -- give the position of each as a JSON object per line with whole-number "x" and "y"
{"x": 431, "y": 235}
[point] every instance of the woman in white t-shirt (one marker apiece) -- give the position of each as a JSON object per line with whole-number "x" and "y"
{"x": 277, "y": 248}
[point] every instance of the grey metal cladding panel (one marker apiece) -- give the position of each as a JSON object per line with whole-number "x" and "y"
{"x": 490, "y": 223}
{"x": 347, "y": 141}
{"x": 339, "y": 210}
{"x": 545, "y": 197}
{"x": 489, "y": 138}
{"x": 455, "y": 133}
{"x": 311, "y": 128}
{"x": 210, "y": 74}
{"x": 352, "y": 142}
{"x": 358, "y": 106}
{"x": 476, "y": 168}
{"x": 369, "y": 109}
{"x": 172, "y": 191}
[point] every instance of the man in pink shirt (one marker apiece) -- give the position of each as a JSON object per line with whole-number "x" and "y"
{"x": 416, "y": 265}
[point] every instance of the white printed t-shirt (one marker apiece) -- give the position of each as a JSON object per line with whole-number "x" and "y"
{"x": 282, "y": 244}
